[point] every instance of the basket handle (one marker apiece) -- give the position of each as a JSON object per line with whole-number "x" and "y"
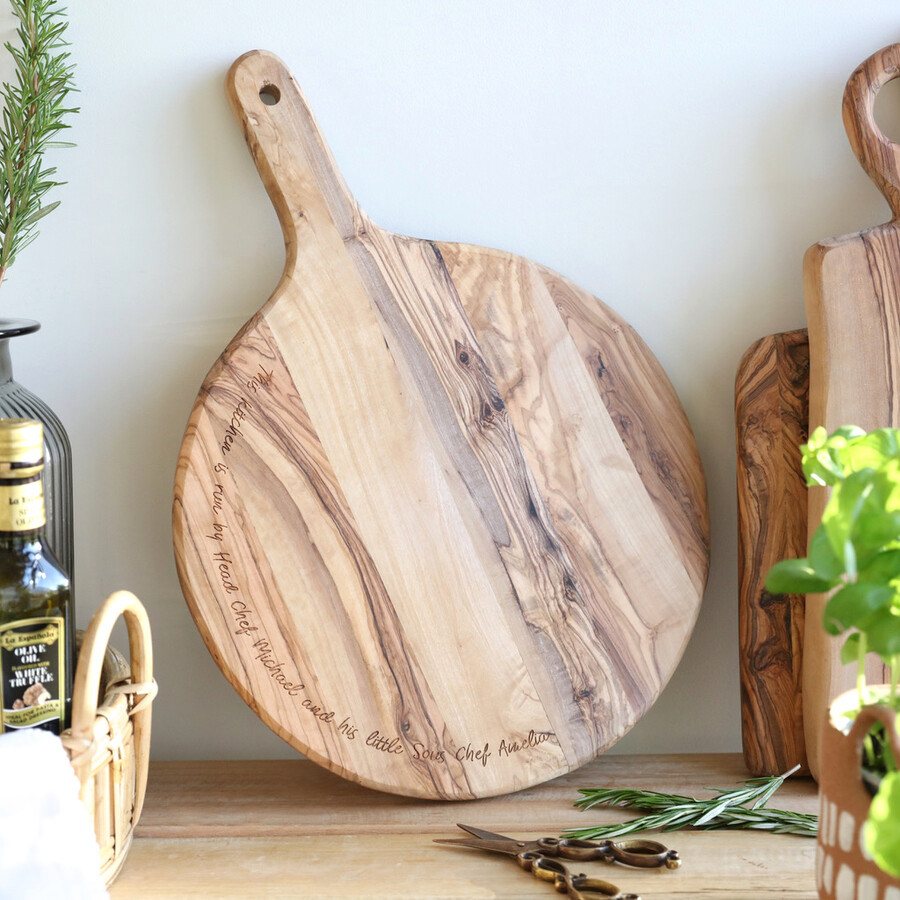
{"x": 87, "y": 679}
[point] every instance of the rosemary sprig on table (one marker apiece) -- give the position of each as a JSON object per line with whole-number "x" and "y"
{"x": 32, "y": 117}
{"x": 668, "y": 812}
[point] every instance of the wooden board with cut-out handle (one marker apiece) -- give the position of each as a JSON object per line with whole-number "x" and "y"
{"x": 439, "y": 515}
{"x": 852, "y": 291}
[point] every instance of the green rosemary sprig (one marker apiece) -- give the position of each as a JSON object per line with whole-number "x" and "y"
{"x": 32, "y": 117}
{"x": 743, "y": 807}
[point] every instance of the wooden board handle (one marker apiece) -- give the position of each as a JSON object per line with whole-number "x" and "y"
{"x": 877, "y": 154}
{"x": 290, "y": 153}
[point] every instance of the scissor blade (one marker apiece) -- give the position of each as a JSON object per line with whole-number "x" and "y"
{"x": 510, "y": 848}
{"x": 484, "y": 835}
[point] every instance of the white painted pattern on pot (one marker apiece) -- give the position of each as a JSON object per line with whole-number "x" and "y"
{"x": 846, "y": 830}
{"x": 827, "y": 873}
{"x": 838, "y": 829}
{"x": 845, "y": 886}
{"x": 867, "y": 888}
{"x": 832, "y": 823}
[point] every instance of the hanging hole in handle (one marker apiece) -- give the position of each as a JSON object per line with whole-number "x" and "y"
{"x": 269, "y": 94}
{"x": 887, "y": 110}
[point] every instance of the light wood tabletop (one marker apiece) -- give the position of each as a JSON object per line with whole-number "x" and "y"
{"x": 288, "y": 828}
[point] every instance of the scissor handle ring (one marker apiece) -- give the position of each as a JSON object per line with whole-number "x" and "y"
{"x": 644, "y": 854}
{"x": 546, "y": 868}
{"x": 640, "y": 853}
{"x": 571, "y": 848}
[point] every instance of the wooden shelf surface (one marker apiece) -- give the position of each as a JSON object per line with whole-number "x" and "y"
{"x": 287, "y": 828}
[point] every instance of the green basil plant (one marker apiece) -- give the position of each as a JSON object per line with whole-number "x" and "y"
{"x": 855, "y": 552}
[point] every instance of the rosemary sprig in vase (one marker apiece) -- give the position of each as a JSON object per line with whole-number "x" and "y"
{"x": 34, "y": 107}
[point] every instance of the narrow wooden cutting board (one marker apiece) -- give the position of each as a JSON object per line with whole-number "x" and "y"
{"x": 771, "y": 415}
{"x": 852, "y": 290}
{"x": 439, "y": 515}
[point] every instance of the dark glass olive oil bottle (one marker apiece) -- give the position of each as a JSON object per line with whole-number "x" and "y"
{"x": 37, "y": 623}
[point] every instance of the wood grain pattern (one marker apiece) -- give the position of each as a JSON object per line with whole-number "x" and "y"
{"x": 439, "y": 516}
{"x": 285, "y": 828}
{"x": 771, "y": 415}
{"x": 852, "y": 288}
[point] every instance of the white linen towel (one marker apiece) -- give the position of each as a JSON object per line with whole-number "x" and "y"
{"x": 47, "y": 844}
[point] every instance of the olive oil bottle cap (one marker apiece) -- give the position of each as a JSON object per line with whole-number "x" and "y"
{"x": 21, "y": 446}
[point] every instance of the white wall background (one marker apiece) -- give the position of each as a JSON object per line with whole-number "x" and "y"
{"x": 674, "y": 158}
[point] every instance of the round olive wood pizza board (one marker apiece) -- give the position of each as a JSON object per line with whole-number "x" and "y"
{"x": 439, "y": 515}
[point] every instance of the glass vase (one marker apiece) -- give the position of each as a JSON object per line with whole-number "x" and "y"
{"x": 17, "y": 401}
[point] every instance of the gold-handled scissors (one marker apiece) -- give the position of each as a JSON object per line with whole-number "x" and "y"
{"x": 541, "y": 858}
{"x": 640, "y": 853}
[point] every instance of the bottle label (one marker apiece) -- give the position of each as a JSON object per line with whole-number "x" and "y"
{"x": 32, "y": 663}
{"x": 22, "y": 506}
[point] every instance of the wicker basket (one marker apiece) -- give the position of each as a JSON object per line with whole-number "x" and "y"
{"x": 109, "y": 741}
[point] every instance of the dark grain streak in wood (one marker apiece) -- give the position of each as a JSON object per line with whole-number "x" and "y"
{"x": 475, "y": 402}
{"x": 287, "y": 427}
{"x": 610, "y": 350}
{"x": 583, "y": 554}
{"x": 434, "y": 398}
{"x": 584, "y": 625}
{"x": 415, "y": 704}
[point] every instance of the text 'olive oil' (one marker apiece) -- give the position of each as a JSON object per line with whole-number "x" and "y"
{"x": 37, "y": 620}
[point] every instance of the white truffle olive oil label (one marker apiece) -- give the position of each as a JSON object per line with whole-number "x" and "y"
{"x": 22, "y": 506}
{"x": 32, "y": 663}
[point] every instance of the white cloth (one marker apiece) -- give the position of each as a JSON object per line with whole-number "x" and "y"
{"x": 47, "y": 844}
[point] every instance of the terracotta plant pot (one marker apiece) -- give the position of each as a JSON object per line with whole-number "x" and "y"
{"x": 844, "y": 869}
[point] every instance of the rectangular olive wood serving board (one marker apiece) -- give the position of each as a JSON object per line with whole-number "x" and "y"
{"x": 771, "y": 416}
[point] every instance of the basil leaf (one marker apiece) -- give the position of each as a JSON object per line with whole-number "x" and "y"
{"x": 883, "y": 634}
{"x": 796, "y": 576}
{"x": 881, "y": 833}
{"x": 854, "y": 604}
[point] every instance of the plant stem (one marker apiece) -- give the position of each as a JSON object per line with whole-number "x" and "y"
{"x": 861, "y": 669}
{"x": 895, "y": 676}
